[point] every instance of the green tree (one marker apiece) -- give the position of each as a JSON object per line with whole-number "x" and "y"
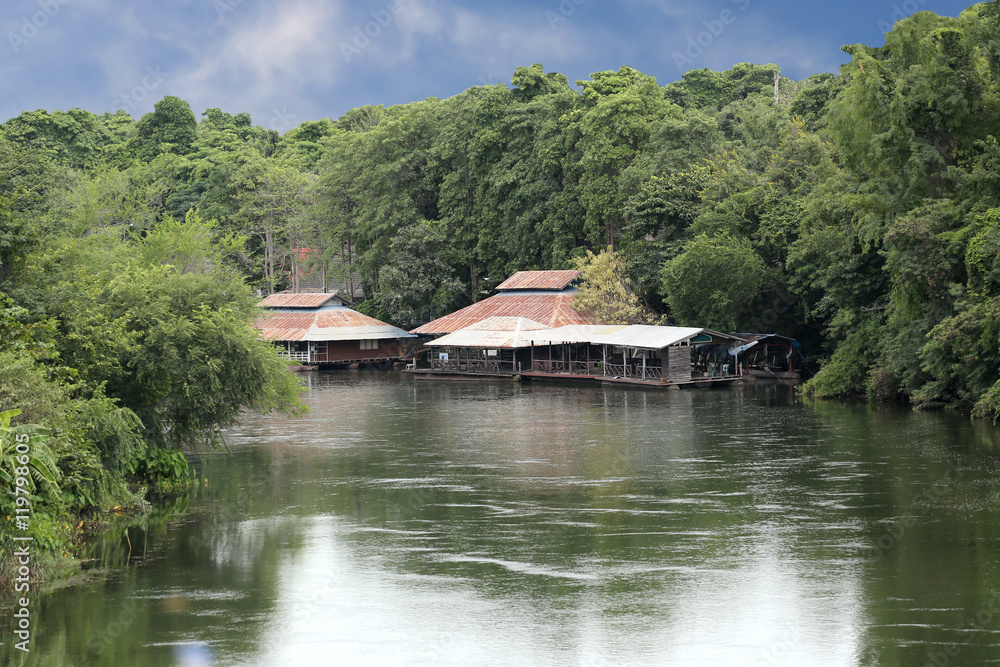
{"x": 606, "y": 293}
{"x": 715, "y": 283}
{"x": 614, "y": 121}
{"x": 417, "y": 282}
{"x": 170, "y": 128}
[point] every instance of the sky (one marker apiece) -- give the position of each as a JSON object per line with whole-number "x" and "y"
{"x": 288, "y": 61}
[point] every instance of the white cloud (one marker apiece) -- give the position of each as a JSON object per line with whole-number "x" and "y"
{"x": 402, "y": 39}
{"x": 750, "y": 38}
{"x": 131, "y": 24}
{"x": 417, "y": 17}
{"x": 289, "y": 46}
{"x": 674, "y": 10}
{"x": 491, "y": 40}
{"x": 426, "y": 30}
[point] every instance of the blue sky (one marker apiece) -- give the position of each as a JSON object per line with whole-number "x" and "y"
{"x": 295, "y": 60}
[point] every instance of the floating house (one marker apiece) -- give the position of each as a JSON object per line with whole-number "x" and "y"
{"x": 320, "y": 330}
{"x": 530, "y": 328}
{"x": 544, "y": 297}
{"x": 771, "y": 356}
{"x": 635, "y": 354}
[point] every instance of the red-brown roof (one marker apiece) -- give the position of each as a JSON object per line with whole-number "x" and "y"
{"x": 284, "y": 326}
{"x": 547, "y": 280}
{"x": 553, "y": 310}
{"x": 345, "y": 317}
{"x": 314, "y": 300}
{"x": 339, "y": 323}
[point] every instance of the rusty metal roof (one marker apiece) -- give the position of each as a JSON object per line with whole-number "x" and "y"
{"x": 544, "y": 280}
{"x": 493, "y": 332}
{"x": 287, "y": 300}
{"x": 330, "y": 323}
{"x": 552, "y": 310}
{"x": 284, "y": 326}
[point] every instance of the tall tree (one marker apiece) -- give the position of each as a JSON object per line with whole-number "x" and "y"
{"x": 170, "y": 128}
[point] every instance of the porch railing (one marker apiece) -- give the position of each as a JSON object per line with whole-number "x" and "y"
{"x": 597, "y": 368}
{"x": 475, "y": 366}
{"x": 570, "y": 367}
{"x": 619, "y": 370}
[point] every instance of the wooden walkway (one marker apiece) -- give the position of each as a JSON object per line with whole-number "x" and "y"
{"x": 657, "y": 384}
{"x": 455, "y": 372}
{"x": 428, "y": 374}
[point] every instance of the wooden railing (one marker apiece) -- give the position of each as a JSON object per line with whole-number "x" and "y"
{"x": 651, "y": 373}
{"x": 597, "y": 368}
{"x": 570, "y": 367}
{"x": 297, "y": 356}
{"x": 474, "y": 366}
{"x": 617, "y": 370}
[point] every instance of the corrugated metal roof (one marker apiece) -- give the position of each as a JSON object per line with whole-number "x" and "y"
{"x": 493, "y": 332}
{"x": 508, "y": 324}
{"x": 547, "y": 280}
{"x": 356, "y": 333}
{"x": 554, "y": 310}
{"x": 576, "y": 333}
{"x": 768, "y": 337}
{"x": 299, "y": 300}
{"x": 284, "y": 326}
{"x": 753, "y": 339}
{"x": 648, "y": 337}
{"x": 338, "y": 323}
{"x": 333, "y": 318}
{"x": 741, "y": 348}
{"x": 638, "y": 336}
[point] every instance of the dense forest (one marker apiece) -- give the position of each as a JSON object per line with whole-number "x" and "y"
{"x": 858, "y": 212}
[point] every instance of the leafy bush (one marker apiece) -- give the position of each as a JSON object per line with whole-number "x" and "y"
{"x": 847, "y": 371}
{"x": 715, "y": 283}
{"x": 962, "y": 359}
{"x": 168, "y": 469}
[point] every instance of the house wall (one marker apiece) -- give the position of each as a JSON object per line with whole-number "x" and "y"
{"x": 349, "y": 351}
{"x": 678, "y": 364}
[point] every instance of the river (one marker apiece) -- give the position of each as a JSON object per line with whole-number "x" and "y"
{"x": 408, "y": 522}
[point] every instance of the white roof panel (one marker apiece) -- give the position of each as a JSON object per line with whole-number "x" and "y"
{"x": 640, "y": 336}
{"x": 506, "y": 332}
{"x": 574, "y": 333}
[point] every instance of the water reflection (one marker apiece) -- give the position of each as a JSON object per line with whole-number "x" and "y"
{"x": 408, "y": 522}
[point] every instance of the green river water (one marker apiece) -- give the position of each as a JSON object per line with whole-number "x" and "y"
{"x": 408, "y": 522}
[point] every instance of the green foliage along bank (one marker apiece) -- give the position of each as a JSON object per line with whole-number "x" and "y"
{"x": 129, "y": 349}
